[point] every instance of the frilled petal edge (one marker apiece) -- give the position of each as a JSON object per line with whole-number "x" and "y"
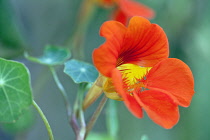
{"x": 144, "y": 44}
{"x": 105, "y": 57}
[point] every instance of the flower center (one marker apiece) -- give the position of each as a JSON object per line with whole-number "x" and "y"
{"x": 132, "y": 76}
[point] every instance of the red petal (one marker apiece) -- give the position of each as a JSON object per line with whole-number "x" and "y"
{"x": 173, "y": 77}
{"x": 145, "y": 44}
{"x": 105, "y": 57}
{"x": 159, "y": 107}
{"x": 120, "y": 16}
{"x": 129, "y": 101}
{"x": 132, "y": 8}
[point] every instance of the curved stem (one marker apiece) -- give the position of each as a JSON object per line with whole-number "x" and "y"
{"x": 63, "y": 92}
{"x": 95, "y": 115}
{"x": 81, "y": 90}
{"x": 49, "y": 130}
{"x": 83, "y": 126}
{"x": 71, "y": 116}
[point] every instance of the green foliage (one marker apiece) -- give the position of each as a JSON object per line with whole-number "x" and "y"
{"x": 80, "y": 71}
{"x": 15, "y": 90}
{"x": 25, "y": 121}
{"x": 53, "y": 55}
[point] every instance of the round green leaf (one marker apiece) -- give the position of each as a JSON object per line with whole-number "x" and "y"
{"x": 80, "y": 71}
{"x": 25, "y": 121}
{"x": 52, "y": 56}
{"x": 15, "y": 90}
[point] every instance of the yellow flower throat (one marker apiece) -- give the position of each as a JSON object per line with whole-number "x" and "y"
{"x": 131, "y": 75}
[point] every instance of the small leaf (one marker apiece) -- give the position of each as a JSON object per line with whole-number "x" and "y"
{"x": 80, "y": 71}
{"x": 15, "y": 90}
{"x": 25, "y": 121}
{"x": 52, "y": 56}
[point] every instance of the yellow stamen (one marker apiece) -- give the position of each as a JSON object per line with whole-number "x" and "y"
{"x": 132, "y": 73}
{"x": 131, "y": 76}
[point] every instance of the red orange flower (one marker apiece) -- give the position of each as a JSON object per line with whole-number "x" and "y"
{"x": 135, "y": 62}
{"x": 125, "y": 9}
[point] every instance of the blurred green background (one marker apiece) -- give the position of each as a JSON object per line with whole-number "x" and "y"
{"x": 32, "y": 24}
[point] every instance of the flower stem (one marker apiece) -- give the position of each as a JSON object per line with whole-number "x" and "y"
{"x": 71, "y": 116}
{"x": 63, "y": 92}
{"x": 80, "y": 96}
{"x": 83, "y": 126}
{"x": 95, "y": 115}
{"x": 49, "y": 130}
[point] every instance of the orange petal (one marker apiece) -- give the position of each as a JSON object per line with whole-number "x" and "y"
{"x": 174, "y": 78}
{"x": 129, "y": 101}
{"x": 145, "y": 44}
{"x": 105, "y": 57}
{"x": 159, "y": 107}
{"x": 120, "y": 16}
{"x": 132, "y": 8}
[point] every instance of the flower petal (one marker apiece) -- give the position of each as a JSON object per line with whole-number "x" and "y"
{"x": 105, "y": 57}
{"x": 174, "y": 78}
{"x": 145, "y": 44}
{"x": 132, "y": 8}
{"x": 129, "y": 100}
{"x": 159, "y": 107}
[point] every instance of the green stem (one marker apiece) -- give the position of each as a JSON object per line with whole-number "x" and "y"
{"x": 80, "y": 94}
{"x": 63, "y": 92}
{"x": 49, "y": 130}
{"x": 95, "y": 115}
{"x": 71, "y": 116}
{"x": 83, "y": 126}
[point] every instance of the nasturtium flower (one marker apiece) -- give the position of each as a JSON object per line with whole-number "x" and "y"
{"x": 136, "y": 69}
{"x": 125, "y": 9}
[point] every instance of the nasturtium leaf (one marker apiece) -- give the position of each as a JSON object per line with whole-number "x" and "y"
{"x": 25, "y": 121}
{"x": 52, "y": 56}
{"x": 15, "y": 90}
{"x": 80, "y": 71}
